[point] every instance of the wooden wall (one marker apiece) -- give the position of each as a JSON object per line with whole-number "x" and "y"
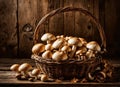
{"x": 18, "y": 19}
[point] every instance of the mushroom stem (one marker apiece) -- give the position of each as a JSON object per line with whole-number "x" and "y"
{"x": 73, "y": 51}
{"x": 48, "y": 41}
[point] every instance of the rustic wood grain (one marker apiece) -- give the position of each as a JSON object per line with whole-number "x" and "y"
{"x": 111, "y": 26}
{"x": 8, "y": 28}
{"x": 69, "y": 28}
{"x": 56, "y": 22}
{"x": 27, "y": 15}
{"x": 42, "y": 10}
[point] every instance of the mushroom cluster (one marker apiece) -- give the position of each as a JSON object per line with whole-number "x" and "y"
{"x": 26, "y": 72}
{"x": 62, "y": 48}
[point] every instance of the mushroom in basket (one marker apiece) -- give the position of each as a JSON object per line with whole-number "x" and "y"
{"x": 38, "y": 48}
{"x": 93, "y": 49}
{"x": 48, "y": 37}
{"x": 80, "y": 53}
{"x": 74, "y": 42}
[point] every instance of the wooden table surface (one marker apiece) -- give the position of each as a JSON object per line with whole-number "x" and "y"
{"x": 7, "y": 77}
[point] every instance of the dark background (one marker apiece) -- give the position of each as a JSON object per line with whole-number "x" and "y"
{"x": 18, "y": 19}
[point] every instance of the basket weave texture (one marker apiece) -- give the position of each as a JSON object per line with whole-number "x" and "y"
{"x": 70, "y": 68}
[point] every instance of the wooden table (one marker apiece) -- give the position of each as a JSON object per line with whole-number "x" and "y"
{"x": 7, "y": 77}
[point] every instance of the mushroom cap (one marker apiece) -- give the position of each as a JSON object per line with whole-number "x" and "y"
{"x": 47, "y": 54}
{"x": 83, "y": 41}
{"x": 14, "y": 67}
{"x": 35, "y": 72}
{"x": 66, "y": 48}
{"x": 25, "y": 67}
{"x": 48, "y": 47}
{"x": 81, "y": 50}
{"x": 38, "y": 48}
{"x": 64, "y": 56}
{"x": 93, "y": 45}
{"x": 48, "y": 36}
{"x": 73, "y": 41}
{"x": 57, "y": 56}
{"x": 57, "y": 43}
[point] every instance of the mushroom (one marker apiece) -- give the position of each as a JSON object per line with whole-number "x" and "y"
{"x": 58, "y": 43}
{"x": 84, "y": 42}
{"x": 34, "y": 74}
{"x": 38, "y": 48}
{"x": 80, "y": 53}
{"x": 47, "y": 54}
{"x": 44, "y": 78}
{"x": 64, "y": 57}
{"x": 66, "y": 49}
{"x": 57, "y": 56}
{"x": 90, "y": 54}
{"x": 48, "y": 47}
{"x": 93, "y": 49}
{"x": 74, "y": 42}
{"x": 100, "y": 77}
{"x": 15, "y": 67}
{"x": 93, "y": 45}
{"x": 24, "y": 69}
{"x": 48, "y": 37}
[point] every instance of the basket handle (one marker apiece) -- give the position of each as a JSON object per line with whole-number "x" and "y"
{"x": 66, "y": 9}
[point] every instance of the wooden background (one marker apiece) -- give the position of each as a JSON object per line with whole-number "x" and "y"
{"x": 18, "y": 19}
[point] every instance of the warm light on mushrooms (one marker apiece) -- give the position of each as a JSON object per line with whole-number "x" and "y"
{"x": 57, "y": 56}
{"x": 74, "y": 42}
{"x": 24, "y": 69}
{"x": 47, "y": 54}
{"x": 38, "y": 48}
{"x": 48, "y": 37}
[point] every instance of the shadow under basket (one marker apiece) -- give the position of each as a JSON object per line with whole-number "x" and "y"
{"x": 71, "y": 68}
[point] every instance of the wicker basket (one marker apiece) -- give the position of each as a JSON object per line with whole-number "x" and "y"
{"x": 70, "y": 68}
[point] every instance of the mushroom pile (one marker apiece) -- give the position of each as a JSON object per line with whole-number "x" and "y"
{"x": 26, "y": 72}
{"x": 62, "y": 48}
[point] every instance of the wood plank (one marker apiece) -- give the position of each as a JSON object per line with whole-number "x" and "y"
{"x": 8, "y": 28}
{"x": 8, "y": 78}
{"x": 42, "y": 10}
{"x": 56, "y": 21}
{"x": 27, "y": 14}
{"x": 84, "y": 27}
{"x": 69, "y": 19}
{"x": 112, "y": 27}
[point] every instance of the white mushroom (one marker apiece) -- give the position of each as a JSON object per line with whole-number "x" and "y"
{"x": 84, "y": 42}
{"x": 66, "y": 49}
{"x": 15, "y": 67}
{"x": 47, "y": 54}
{"x": 48, "y": 47}
{"x": 57, "y": 56}
{"x": 24, "y": 69}
{"x": 48, "y": 37}
{"x": 34, "y": 74}
{"x": 93, "y": 45}
{"x": 58, "y": 43}
{"x": 74, "y": 42}
{"x": 38, "y": 48}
